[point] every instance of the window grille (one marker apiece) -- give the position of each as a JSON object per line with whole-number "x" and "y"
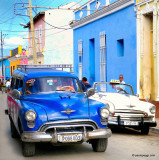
{"x": 102, "y": 57}
{"x": 80, "y": 58}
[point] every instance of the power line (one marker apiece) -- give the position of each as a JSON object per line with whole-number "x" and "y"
{"x": 8, "y": 19}
{"x": 50, "y": 24}
{"x": 35, "y": 30}
{"x": 2, "y": 14}
{"x": 76, "y": 3}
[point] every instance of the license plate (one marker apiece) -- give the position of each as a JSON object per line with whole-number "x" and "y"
{"x": 70, "y": 138}
{"x": 131, "y": 123}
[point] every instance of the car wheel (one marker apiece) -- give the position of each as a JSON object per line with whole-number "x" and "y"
{"x": 28, "y": 149}
{"x": 100, "y": 145}
{"x": 145, "y": 130}
{"x": 14, "y": 133}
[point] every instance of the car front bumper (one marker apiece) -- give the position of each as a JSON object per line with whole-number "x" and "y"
{"x": 28, "y": 136}
{"x": 140, "y": 122}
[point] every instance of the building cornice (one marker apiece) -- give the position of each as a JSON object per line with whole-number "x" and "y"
{"x": 107, "y": 10}
{"x": 84, "y": 5}
{"x": 143, "y": 2}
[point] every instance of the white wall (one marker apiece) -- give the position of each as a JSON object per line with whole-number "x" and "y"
{"x": 59, "y": 42}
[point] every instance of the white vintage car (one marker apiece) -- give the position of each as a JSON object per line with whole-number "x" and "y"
{"x": 126, "y": 109}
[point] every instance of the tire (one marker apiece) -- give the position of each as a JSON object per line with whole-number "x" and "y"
{"x": 100, "y": 145}
{"x": 145, "y": 130}
{"x": 28, "y": 149}
{"x": 14, "y": 133}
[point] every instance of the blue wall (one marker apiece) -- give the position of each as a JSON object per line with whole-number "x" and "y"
{"x": 117, "y": 26}
{"x": 7, "y": 69}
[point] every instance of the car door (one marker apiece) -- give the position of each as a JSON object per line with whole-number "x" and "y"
{"x": 15, "y": 103}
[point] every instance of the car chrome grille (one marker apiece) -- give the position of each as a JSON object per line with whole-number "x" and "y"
{"x": 70, "y": 125}
{"x": 68, "y": 129}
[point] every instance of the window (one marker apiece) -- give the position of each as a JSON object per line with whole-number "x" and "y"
{"x": 120, "y": 48}
{"x": 36, "y": 34}
{"x": 102, "y": 57}
{"x": 40, "y": 31}
{"x": 36, "y": 40}
{"x": 13, "y": 83}
{"x": 40, "y": 38}
{"x": 80, "y": 58}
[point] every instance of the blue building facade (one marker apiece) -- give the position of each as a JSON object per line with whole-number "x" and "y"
{"x": 6, "y": 68}
{"x": 105, "y": 41}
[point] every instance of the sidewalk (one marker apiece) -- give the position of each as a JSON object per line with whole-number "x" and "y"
{"x": 155, "y": 129}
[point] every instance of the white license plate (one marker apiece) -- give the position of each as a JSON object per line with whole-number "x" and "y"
{"x": 70, "y": 138}
{"x": 131, "y": 123}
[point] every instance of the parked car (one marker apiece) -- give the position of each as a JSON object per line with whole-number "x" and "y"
{"x": 125, "y": 108}
{"x": 47, "y": 105}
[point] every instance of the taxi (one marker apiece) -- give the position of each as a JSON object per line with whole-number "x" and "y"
{"x": 125, "y": 108}
{"x": 48, "y": 105}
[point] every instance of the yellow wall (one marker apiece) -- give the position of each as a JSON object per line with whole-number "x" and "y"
{"x": 148, "y": 63}
{"x": 146, "y": 57}
{"x": 13, "y": 64}
{"x": 137, "y": 1}
{"x": 19, "y": 49}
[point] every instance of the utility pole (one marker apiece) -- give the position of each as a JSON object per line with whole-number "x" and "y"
{"x": 32, "y": 33}
{"x": 2, "y": 52}
{"x": 2, "y": 41}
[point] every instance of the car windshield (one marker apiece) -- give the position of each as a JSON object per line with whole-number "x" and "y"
{"x": 113, "y": 88}
{"x": 51, "y": 84}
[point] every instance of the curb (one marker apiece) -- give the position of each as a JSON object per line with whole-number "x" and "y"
{"x": 155, "y": 130}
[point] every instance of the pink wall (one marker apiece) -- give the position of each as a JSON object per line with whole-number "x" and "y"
{"x": 39, "y": 22}
{"x": 25, "y": 60}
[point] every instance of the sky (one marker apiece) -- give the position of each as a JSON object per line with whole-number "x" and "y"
{"x": 13, "y": 12}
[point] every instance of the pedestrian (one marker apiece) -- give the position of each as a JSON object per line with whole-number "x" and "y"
{"x": 85, "y": 82}
{"x": 1, "y": 85}
{"x": 8, "y": 84}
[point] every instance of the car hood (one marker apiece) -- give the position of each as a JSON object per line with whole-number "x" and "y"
{"x": 123, "y": 101}
{"x": 61, "y": 105}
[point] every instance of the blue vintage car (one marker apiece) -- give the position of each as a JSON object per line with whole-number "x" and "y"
{"x": 48, "y": 105}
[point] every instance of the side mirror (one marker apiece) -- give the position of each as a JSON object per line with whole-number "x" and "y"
{"x": 16, "y": 94}
{"x": 90, "y": 92}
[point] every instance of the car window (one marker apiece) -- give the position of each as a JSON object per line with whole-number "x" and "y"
{"x": 16, "y": 84}
{"x": 20, "y": 83}
{"x": 113, "y": 88}
{"x": 52, "y": 84}
{"x": 13, "y": 80}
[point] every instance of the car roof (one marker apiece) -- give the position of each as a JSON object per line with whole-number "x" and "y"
{"x": 27, "y": 73}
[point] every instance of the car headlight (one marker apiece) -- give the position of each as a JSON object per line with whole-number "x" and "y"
{"x": 153, "y": 109}
{"x": 104, "y": 112}
{"x": 30, "y": 115}
{"x": 111, "y": 107}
